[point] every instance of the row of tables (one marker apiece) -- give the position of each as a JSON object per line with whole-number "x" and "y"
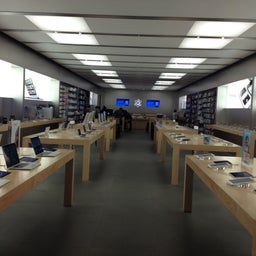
{"x": 241, "y": 201}
{"x": 23, "y": 181}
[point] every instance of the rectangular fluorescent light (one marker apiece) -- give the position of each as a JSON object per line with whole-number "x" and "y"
{"x": 164, "y": 82}
{"x": 93, "y": 60}
{"x": 160, "y": 88}
{"x": 117, "y": 86}
{"x": 204, "y": 43}
{"x": 184, "y": 63}
{"x": 60, "y": 23}
{"x": 219, "y": 28}
{"x": 187, "y": 60}
{"x": 107, "y": 73}
{"x": 112, "y": 81}
{"x": 213, "y": 29}
{"x": 181, "y": 66}
{"x": 171, "y": 75}
{"x": 65, "y": 38}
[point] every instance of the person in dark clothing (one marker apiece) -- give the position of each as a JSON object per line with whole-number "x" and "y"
{"x": 128, "y": 120}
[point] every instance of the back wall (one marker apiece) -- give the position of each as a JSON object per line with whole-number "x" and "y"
{"x": 168, "y": 100}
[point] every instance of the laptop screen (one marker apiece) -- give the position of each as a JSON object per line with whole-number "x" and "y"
{"x": 10, "y": 154}
{"x": 37, "y": 145}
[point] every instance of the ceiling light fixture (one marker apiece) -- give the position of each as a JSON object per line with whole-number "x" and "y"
{"x": 215, "y": 29}
{"x": 171, "y": 75}
{"x": 60, "y": 23}
{"x": 160, "y": 88}
{"x": 112, "y": 81}
{"x": 219, "y": 28}
{"x": 106, "y": 73}
{"x": 80, "y": 39}
{"x": 93, "y": 59}
{"x": 204, "y": 43}
{"x": 117, "y": 86}
{"x": 164, "y": 82}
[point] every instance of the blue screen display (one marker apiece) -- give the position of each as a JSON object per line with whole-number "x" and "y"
{"x": 122, "y": 102}
{"x": 153, "y": 103}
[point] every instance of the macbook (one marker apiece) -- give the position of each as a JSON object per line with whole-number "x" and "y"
{"x": 39, "y": 150}
{"x": 12, "y": 160}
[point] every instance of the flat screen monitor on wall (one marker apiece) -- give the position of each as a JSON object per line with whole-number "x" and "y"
{"x": 153, "y": 103}
{"x": 122, "y": 102}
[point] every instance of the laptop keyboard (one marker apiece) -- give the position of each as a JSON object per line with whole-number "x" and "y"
{"x": 20, "y": 165}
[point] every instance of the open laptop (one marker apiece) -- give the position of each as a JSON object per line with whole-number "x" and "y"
{"x": 39, "y": 150}
{"x": 12, "y": 159}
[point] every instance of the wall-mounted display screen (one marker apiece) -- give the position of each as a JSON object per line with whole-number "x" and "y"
{"x": 153, "y": 103}
{"x": 120, "y": 102}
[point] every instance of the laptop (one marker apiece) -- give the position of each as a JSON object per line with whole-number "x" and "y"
{"x": 39, "y": 150}
{"x": 12, "y": 160}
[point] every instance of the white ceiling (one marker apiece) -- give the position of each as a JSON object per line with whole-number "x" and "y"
{"x": 139, "y": 37}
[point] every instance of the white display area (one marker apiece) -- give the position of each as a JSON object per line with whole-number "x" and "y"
{"x": 239, "y": 94}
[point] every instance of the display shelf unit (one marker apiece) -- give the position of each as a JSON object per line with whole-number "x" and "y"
{"x": 201, "y": 110}
{"x": 72, "y": 102}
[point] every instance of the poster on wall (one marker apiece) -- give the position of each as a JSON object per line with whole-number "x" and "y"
{"x": 239, "y": 94}
{"x": 15, "y": 132}
{"x": 247, "y": 147}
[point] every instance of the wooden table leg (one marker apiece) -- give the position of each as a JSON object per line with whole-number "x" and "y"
{"x": 163, "y": 149}
{"x": 69, "y": 183}
{"x": 188, "y": 189}
{"x": 175, "y": 166}
{"x": 107, "y": 139}
{"x": 86, "y": 162}
{"x": 102, "y": 147}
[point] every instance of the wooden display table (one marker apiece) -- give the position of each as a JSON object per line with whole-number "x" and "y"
{"x": 38, "y": 122}
{"x": 226, "y": 128}
{"x": 171, "y": 127}
{"x": 109, "y": 128}
{"x": 241, "y": 202}
{"x": 22, "y": 181}
{"x": 71, "y": 138}
{"x": 3, "y": 127}
{"x": 195, "y": 143}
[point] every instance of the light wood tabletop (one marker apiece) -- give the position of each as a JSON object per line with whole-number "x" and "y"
{"x": 160, "y": 129}
{"x": 241, "y": 201}
{"x": 22, "y": 181}
{"x": 195, "y": 143}
{"x": 109, "y": 128}
{"x": 71, "y": 138}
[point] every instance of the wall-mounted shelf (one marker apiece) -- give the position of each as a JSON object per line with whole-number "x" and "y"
{"x": 201, "y": 109}
{"x": 72, "y": 102}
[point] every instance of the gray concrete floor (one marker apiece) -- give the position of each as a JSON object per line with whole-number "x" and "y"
{"x": 128, "y": 208}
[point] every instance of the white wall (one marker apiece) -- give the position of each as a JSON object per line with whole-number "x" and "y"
{"x": 168, "y": 100}
{"x": 241, "y": 70}
{"x": 18, "y": 54}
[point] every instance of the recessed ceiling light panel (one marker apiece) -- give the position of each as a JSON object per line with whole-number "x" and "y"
{"x": 106, "y": 73}
{"x": 93, "y": 59}
{"x": 204, "y": 43}
{"x": 117, "y": 86}
{"x": 171, "y": 75}
{"x": 187, "y": 60}
{"x": 112, "y": 81}
{"x": 219, "y": 28}
{"x": 164, "y": 82}
{"x": 60, "y": 23}
{"x": 160, "y": 88}
{"x": 80, "y": 39}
